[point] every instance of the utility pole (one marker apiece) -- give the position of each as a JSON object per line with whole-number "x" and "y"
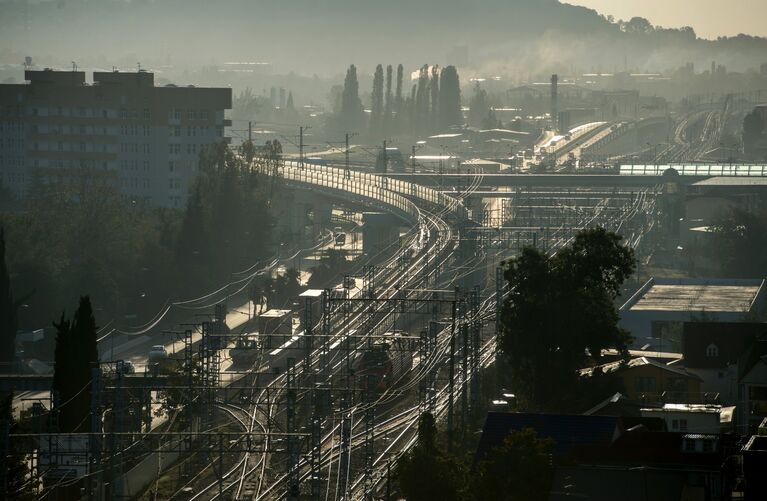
{"x": 301, "y": 131}
{"x": 451, "y": 374}
{"x": 347, "y": 173}
{"x": 250, "y": 131}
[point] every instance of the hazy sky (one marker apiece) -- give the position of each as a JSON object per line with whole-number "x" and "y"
{"x": 709, "y": 18}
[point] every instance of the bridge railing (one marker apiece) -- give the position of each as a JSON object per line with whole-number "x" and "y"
{"x": 375, "y": 186}
{"x": 317, "y": 176}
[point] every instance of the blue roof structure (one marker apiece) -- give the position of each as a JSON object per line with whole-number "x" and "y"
{"x": 566, "y": 430}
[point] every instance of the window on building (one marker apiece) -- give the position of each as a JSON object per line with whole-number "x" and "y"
{"x": 689, "y": 445}
{"x": 146, "y": 114}
{"x": 712, "y": 351}
{"x": 708, "y": 445}
{"x": 170, "y": 166}
{"x": 682, "y": 425}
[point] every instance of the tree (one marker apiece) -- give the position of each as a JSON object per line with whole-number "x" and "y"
{"x": 388, "y": 106}
{"x": 328, "y": 269}
{"x": 450, "y": 113}
{"x": 560, "y": 313}
{"x": 638, "y": 25}
{"x": 425, "y": 473}
{"x": 422, "y": 101}
{"x": 8, "y": 315}
{"x": 478, "y": 107}
{"x": 753, "y": 126}
{"x": 376, "y": 105}
{"x": 398, "y": 102}
{"x": 193, "y": 244}
{"x": 283, "y": 288}
{"x": 519, "y": 470}
{"x": 248, "y": 150}
{"x": 290, "y": 106}
{"x": 13, "y": 464}
{"x": 434, "y": 89}
{"x": 75, "y": 357}
{"x": 739, "y": 240}
{"x": 352, "y": 115}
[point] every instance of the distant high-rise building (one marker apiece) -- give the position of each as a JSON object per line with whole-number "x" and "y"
{"x": 273, "y": 96}
{"x": 283, "y": 98}
{"x": 145, "y": 139}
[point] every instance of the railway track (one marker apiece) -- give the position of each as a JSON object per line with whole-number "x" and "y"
{"x": 430, "y": 249}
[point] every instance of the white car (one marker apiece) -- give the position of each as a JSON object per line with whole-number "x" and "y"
{"x": 157, "y": 352}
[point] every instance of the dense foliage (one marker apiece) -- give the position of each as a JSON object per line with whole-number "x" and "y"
{"x": 425, "y": 473}
{"x": 739, "y": 240}
{"x": 76, "y": 356}
{"x": 560, "y": 313}
{"x": 84, "y": 237}
{"x": 434, "y": 104}
{"x": 519, "y": 470}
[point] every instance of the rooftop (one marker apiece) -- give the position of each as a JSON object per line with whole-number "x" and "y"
{"x": 695, "y": 296}
{"x": 275, "y": 313}
{"x": 637, "y": 362}
{"x": 705, "y": 408}
{"x": 732, "y": 181}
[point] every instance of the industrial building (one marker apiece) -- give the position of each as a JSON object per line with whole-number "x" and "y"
{"x": 655, "y": 314}
{"x": 145, "y": 140}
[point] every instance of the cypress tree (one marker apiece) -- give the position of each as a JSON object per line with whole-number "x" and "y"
{"x": 376, "y": 105}
{"x": 478, "y": 107}
{"x": 76, "y": 354}
{"x": 398, "y": 98}
{"x": 450, "y": 113}
{"x": 412, "y": 109}
{"x": 352, "y": 115}
{"x": 422, "y": 101}
{"x": 434, "y": 88}
{"x": 388, "y": 106}
{"x": 290, "y": 107}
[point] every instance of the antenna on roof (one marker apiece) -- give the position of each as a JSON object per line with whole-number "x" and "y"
{"x": 74, "y": 66}
{"x": 139, "y": 66}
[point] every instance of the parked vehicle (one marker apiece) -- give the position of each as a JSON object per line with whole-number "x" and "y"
{"x": 157, "y": 353}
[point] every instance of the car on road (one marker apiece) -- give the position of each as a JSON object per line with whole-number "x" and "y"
{"x": 157, "y": 353}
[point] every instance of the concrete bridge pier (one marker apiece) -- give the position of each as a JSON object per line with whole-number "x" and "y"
{"x": 380, "y": 233}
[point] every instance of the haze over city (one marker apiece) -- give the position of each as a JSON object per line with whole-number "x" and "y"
{"x": 402, "y": 250}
